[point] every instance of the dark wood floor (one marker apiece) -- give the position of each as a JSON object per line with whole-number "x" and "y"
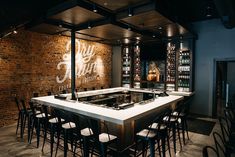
{"x": 12, "y": 146}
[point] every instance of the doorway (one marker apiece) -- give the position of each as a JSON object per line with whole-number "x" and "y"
{"x": 224, "y": 85}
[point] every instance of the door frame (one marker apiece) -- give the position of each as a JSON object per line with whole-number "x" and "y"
{"x": 214, "y": 107}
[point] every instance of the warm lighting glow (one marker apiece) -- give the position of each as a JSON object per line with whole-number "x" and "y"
{"x": 126, "y": 41}
{"x": 15, "y": 32}
{"x": 169, "y": 32}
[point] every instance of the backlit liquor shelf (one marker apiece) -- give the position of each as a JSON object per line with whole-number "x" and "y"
{"x": 174, "y": 72}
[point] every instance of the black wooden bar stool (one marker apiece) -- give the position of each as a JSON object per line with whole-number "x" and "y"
{"x": 51, "y": 126}
{"x": 161, "y": 128}
{"x": 102, "y": 138}
{"x": 20, "y": 117}
{"x": 66, "y": 127}
{"x": 95, "y": 142}
{"x": 26, "y": 118}
{"x": 38, "y": 122}
{"x": 173, "y": 121}
{"x": 155, "y": 133}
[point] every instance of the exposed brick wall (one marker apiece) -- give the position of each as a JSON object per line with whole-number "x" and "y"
{"x": 28, "y": 63}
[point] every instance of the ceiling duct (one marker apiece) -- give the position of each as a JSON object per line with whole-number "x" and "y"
{"x": 226, "y": 10}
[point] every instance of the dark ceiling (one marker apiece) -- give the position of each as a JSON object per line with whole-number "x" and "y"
{"x": 150, "y": 20}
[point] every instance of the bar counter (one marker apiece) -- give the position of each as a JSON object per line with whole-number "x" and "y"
{"x": 115, "y": 116}
{"x": 123, "y": 123}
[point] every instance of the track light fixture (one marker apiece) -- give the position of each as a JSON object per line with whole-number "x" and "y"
{"x": 130, "y": 12}
{"x": 95, "y": 8}
{"x": 89, "y": 25}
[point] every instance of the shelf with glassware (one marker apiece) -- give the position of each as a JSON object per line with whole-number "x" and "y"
{"x": 171, "y": 67}
{"x": 136, "y": 67}
{"x": 126, "y": 67}
{"x": 185, "y": 71}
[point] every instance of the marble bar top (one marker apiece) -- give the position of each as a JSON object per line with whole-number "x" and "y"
{"x": 115, "y": 116}
{"x": 181, "y": 93}
{"x": 119, "y": 89}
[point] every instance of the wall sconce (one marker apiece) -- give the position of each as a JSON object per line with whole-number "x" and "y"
{"x": 130, "y": 12}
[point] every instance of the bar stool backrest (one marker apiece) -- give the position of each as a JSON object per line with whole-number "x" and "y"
{"x": 32, "y": 108}
{"x": 86, "y": 122}
{"x": 24, "y": 106}
{"x": 225, "y": 128}
{"x": 19, "y": 107}
{"x": 62, "y": 114}
{"x": 44, "y": 110}
{"x": 220, "y": 144}
{"x": 159, "y": 120}
{"x": 35, "y": 94}
{"x": 207, "y": 149}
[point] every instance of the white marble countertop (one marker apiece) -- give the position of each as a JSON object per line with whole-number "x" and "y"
{"x": 180, "y": 93}
{"x": 108, "y": 114}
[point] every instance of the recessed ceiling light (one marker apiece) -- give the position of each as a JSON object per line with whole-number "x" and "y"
{"x": 160, "y": 28}
{"x": 15, "y": 32}
{"x": 153, "y": 36}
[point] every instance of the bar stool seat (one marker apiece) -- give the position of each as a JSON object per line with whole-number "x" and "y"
{"x": 175, "y": 113}
{"x": 146, "y": 133}
{"x": 69, "y": 125}
{"x": 86, "y": 132}
{"x": 55, "y": 120}
{"x": 155, "y": 126}
{"x": 172, "y": 119}
{"x": 41, "y": 115}
{"x": 105, "y": 138}
{"x": 149, "y": 136}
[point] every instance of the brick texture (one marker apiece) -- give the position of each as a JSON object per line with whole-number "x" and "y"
{"x": 28, "y": 64}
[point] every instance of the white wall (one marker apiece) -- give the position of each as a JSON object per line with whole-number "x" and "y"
{"x": 116, "y": 66}
{"x": 214, "y": 42}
